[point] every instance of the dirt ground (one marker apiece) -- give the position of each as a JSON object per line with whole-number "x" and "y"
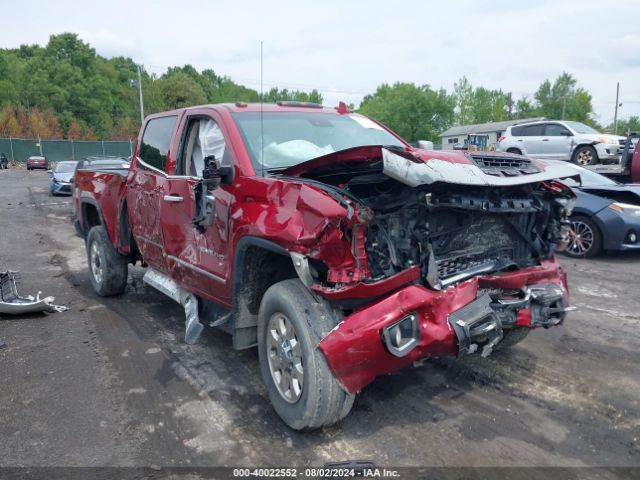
{"x": 110, "y": 382}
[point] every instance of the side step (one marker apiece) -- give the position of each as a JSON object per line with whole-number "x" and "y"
{"x": 164, "y": 284}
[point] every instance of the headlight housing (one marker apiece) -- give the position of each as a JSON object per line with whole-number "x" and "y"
{"x": 626, "y": 208}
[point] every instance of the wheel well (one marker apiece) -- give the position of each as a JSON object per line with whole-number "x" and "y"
{"x": 580, "y": 145}
{"x": 514, "y": 150}
{"x": 90, "y": 217}
{"x": 257, "y": 268}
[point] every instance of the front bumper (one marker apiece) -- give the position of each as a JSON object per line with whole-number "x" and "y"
{"x": 608, "y": 151}
{"x": 61, "y": 188}
{"x": 458, "y": 320}
{"x": 617, "y": 230}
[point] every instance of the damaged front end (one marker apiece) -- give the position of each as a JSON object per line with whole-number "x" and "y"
{"x": 446, "y": 254}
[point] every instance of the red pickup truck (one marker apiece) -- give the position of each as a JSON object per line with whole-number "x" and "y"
{"x": 329, "y": 242}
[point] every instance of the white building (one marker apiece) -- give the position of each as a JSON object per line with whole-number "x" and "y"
{"x": 458, "y": 135}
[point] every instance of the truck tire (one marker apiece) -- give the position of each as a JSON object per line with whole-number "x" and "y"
{"x": 585, "y": 155}
{"x": 107, "y": 268}
{"x": 512, "y": 337}
{"x": 301, "y": 387}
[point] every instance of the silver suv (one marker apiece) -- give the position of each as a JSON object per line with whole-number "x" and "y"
{"x": 562, "y": 140}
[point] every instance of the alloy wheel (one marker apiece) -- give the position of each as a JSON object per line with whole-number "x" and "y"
{"x": 585, "y": 157}
{"x": 581, "y": 238}
{"x": 97, "y": 263}
{"x": 285, "y": 357}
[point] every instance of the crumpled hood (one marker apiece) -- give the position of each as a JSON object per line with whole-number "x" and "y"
{"x": 421, "y": 167}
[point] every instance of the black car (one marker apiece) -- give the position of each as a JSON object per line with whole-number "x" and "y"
{"x": 606, "y": 215}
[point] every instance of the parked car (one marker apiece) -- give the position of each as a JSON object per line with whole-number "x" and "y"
{"x": 329, "y": 242}
{"x": 104, "y": 162}
{"x": 4, "y": 162}
{"x": 562, "y": 140}
{"x": 37, "y": 162}
{"x": 61, "y": 177}
{"x": 606, "y": 215}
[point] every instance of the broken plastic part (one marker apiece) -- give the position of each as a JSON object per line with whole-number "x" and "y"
{"x": 12, "y": 303}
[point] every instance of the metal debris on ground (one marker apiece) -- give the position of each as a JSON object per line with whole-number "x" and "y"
{"x": 11, "y": 302}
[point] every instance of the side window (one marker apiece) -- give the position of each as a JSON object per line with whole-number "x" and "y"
{"x": 204, "y": 139}
{"x": 553, "y": 130}
{"x": 156, "y": 141}
{"x": 533, "y": 130}
{"x": 516, "y": 131}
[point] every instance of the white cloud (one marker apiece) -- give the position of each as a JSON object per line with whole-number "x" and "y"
{"x": 346, "y": 49}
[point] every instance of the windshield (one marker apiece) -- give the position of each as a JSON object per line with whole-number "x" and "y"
{"x": 589, "y": 179}
{"x": 581, "y": 128}
{"x": 65, "y": 167}
{"x": 291, "y": 138}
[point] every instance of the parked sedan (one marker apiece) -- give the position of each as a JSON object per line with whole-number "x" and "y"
{"x": 61, "y": 177}
{"x": 35, "y": 161}
{"x": 562, "y": 140}
{"x": 606, "y": 215}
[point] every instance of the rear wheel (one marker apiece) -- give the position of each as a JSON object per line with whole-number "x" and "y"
{"x": 301, "y": 387}
{"x": 585, "y": 155}
{"x": 585, "y": 240}
{"x": 107, "y": 268}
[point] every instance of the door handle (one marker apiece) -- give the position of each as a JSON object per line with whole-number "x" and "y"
{"x": 173, "y": 198}
{"x": 545, "y": 139}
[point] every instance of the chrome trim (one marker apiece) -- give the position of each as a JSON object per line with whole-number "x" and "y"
{"x": 173, "y": 198}
{"x": 197, "y": 269}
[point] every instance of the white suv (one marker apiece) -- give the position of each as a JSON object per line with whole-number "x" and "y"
{"x": 562, "y": 140}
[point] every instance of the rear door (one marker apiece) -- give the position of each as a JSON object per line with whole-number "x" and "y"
{"x": 197, "y": 257}
{"x": 558, "y": 142}
{"x": 532, "y": 139}
{"x": 145, "y": 187}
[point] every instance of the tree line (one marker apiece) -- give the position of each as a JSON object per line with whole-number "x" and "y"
{"x": 65, "y": 89}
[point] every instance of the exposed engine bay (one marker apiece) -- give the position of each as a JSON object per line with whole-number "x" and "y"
{"x": 453, "y": 232}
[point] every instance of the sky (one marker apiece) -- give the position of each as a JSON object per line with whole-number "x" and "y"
{"x": 345, "y": 49}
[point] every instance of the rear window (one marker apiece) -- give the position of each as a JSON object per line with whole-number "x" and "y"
{"x": 156, "y": 141}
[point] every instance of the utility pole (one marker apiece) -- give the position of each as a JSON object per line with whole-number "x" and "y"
{"x": 615, "y": 115}
{"x": 140, "y": 92}
{"x": 564, "y": 105}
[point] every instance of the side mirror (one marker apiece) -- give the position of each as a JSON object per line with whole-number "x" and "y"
{"x": 213, "y": 174}
{"x": 50, "y": 172}
{"x": 566, "y": 133}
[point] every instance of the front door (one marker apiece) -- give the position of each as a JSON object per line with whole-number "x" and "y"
{"x": 146, "y": 186}
{"x": 197, "y": 255}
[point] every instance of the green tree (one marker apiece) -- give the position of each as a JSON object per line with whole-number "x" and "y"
{"x": 630, "y": 125}
{"x": 177, "y": 90}
{"x": 463, "y": 92}
{"x": 564, "y": 99}
{"x": 414, "y": 112}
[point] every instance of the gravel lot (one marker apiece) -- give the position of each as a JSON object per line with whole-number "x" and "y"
{"x": 110, "y": 383}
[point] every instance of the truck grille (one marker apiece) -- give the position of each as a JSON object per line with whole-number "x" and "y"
{"x": 504, "y": 166}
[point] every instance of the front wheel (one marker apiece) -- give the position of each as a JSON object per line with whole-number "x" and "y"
{"x": 301, "y": 387}
{"x": 107, "y": 268}
{"x": 585, "y": 240}
{"x": 585, "y": 156}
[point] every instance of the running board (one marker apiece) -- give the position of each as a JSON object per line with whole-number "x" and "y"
{"x": 164, "y": 284}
